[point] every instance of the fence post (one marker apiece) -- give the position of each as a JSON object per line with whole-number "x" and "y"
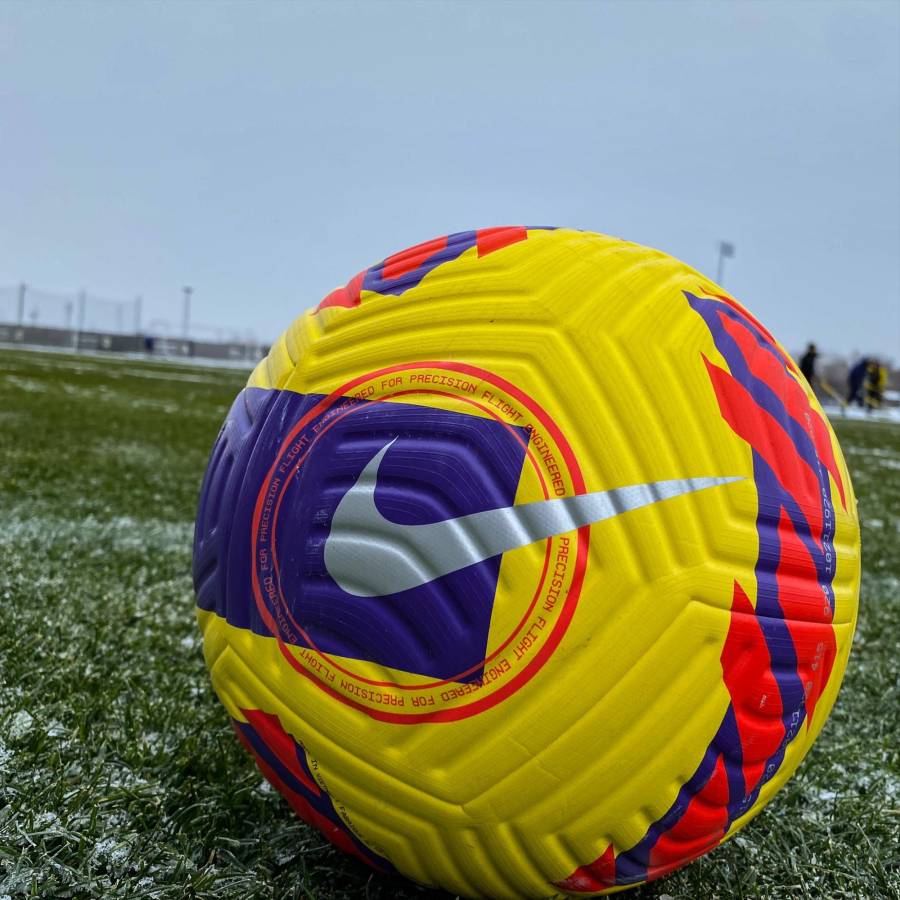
{"x": 22, "y": 288}
{"x": 80, "y": 324}
{"x": 186, "y": 312}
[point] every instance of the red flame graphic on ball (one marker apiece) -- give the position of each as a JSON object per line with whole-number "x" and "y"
{"x": 777, "y": 656}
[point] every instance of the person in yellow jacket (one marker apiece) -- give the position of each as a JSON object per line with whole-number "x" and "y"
{"x": 876, "y": 380}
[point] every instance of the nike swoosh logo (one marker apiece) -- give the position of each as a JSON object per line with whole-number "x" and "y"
{"x": 370, "y": 556}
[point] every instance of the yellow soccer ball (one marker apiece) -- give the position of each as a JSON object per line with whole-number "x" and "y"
{"x": 527, "y": 564}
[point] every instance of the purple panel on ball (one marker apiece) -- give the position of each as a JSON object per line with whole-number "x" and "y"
{"x": 441, "y": 465}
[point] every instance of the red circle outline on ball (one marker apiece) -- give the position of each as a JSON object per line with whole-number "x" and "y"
{"x": 569, "y": 604}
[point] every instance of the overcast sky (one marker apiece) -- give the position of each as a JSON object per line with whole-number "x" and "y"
{"x": 265, "y": 152}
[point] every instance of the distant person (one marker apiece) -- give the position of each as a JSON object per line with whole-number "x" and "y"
{"x": 876, "y": 381}
{"x": 808, "y": 363}
{"x": 148, "y": 344}
{"x": 856, "y": 379}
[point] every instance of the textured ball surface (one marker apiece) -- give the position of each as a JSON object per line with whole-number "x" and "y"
{"x": 527, "y": 564}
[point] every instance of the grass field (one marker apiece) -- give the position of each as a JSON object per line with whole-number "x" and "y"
{"x": 119, "y": 774}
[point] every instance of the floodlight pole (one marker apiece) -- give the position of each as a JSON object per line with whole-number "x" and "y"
{"x": 137, "y": 314}
{"x": 726, "y": 249}
{"x": 79, "y": 326}
{"x": 22, "y": 288}
{"x": 186, "y": 311}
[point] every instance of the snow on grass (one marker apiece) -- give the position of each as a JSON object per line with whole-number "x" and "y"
{"x": 853, "y": 414}
{"x": 20, "y": 724}
{"x": 95, "y": 535}
{"x": 29, "y": 385}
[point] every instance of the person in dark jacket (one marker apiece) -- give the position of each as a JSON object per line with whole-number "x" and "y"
{"x": 856, "y": 378}
{"x": 808, "y": 363}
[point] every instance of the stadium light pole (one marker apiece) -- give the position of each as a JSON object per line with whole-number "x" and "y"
{"x": 726, "y": 251}
{"x": 22, "y": 288}
{"x": 186, "y": 311}
{"x": 137, "y": 314}
{"x": 79, "y": 325}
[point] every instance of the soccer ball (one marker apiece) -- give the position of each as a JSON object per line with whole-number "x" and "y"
{"x": 527, "y": 564}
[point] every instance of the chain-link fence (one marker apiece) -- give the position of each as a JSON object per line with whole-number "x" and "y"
{"x": 24, "y": 305}
{"x": 85, "y": 321}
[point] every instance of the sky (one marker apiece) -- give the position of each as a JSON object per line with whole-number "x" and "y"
{"x": 264, "y": 153}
